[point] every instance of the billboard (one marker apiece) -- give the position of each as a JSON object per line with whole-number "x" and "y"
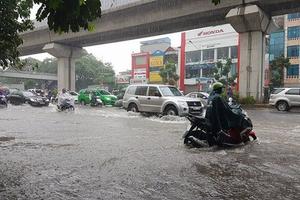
{"x": 123, "y": 79}
{"x": 156, "y": 61}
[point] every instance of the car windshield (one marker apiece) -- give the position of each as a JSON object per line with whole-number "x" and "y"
{"x": 104, "y": 92}
{"x": 28, "y": 94}
{"x": 170, "y": 91}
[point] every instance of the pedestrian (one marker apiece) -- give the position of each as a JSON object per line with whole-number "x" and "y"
{"x": 229, "y": 92}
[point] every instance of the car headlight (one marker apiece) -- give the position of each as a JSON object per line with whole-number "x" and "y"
{"x": 31, "y": 99}
{"x": 183, "y": 103}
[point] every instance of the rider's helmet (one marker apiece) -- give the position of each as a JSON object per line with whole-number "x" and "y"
{"x": 218, "y": 87}
{"x": 64, "y": 90}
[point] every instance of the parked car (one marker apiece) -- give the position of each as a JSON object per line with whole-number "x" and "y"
{"x": 203, "y": 96}
{"x": 285, "y": 98}
{"x": 74, "y": 95}
{"x": 106, "y": 97}
{"x": 19, "y": 97}
{"x": 164, "y": 99}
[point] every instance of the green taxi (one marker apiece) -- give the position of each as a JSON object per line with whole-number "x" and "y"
{"x": 106, "y": 97}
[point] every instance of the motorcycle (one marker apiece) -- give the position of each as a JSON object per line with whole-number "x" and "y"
{"x": 3, "y": 101}
{"x": 200, "y": 135}
{"x": 66, "y": 104}
{"x": 96, "y": 101}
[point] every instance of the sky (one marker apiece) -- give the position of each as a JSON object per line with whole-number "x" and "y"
{"x": 119, "y": 53}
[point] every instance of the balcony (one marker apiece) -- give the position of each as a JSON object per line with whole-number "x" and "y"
{"x": 293, "y": 22}
{"x": 291, "y": 81}
{"x": 294, "y": 60}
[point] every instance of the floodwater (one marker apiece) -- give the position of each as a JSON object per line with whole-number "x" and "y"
{"x": 107, "y": 153}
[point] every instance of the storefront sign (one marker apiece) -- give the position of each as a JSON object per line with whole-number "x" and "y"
{"x": 156, "y": 61}
{"x": 210, "y": 32}
{"x": 155, "y": 77}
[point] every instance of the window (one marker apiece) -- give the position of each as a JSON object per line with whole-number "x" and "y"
{"x": 293, "y": 51}
{"x": 141, "y": 60}
{"x": 293, "y": 92}
{"x": 141, "y": 90}
{"x": 208, "y": 54}
{"x": 233, "y": 70}
{"x": 276, "y": 46}
{"x": 293, "y": 32}
{"x": 104, "y": 92}
{"x": 170, "y": 91}
{"x": 293, "y": 70}
{"x": 193, "y": 56}
{"x": 276, "y": 91}
{"x": 153, "y": 91}
{"x": 234, "y": 52}
{"x": 294, "y": 16}
{"x": 131, "y": 90}
{"x": 222, "y": 52}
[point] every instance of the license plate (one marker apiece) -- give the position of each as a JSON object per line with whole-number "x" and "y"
{"x": 196, "y": 108}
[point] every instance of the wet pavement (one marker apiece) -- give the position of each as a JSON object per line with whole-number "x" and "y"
{"x": 107, "y": 153}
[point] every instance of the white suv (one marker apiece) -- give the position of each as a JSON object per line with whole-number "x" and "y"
{"x": 164, "y": 99}
{"x": 285, "y": 98}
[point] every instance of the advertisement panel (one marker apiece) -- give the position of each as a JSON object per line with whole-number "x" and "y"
{"x": 155, "y": 77}
{"x": 156, "y": 61}
{"x": 123, "y": 79}
{"x": 139, "y": 73}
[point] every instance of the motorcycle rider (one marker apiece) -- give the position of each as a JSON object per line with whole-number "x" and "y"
{"x": 221, "y": 117}
{"x": 93, "y": 98}
{"x": 63, "y": 97}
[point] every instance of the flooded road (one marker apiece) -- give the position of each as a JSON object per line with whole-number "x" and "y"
{"x": 107, "y": 153}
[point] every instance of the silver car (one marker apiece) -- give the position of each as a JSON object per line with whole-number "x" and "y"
{"x": 285, "y": 98}
{"x": 164, "y": 99}
{"x": 203, "y": 96}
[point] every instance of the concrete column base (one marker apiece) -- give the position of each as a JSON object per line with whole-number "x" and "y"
{"x": 66, "y": 56}
{"x": 252, "y": 59}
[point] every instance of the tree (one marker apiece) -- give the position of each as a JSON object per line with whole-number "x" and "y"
{"x": 62, "y": 16}
{"x": 277, "y": 67}
{"x": 168, "y": 74}
{"x": 221, "y": 72}
{"x": 216, "y": 2}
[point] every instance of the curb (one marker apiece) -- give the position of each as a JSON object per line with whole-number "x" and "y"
{"x": 255, "y": 106}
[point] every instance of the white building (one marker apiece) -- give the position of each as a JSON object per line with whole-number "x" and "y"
{"x": 203, "y": 49}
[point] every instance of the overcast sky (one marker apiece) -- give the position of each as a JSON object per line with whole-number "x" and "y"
{"x": 119, "y": 54}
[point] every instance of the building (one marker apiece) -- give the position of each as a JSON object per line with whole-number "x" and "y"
{"x": 292, "y": 50}
{"x": 154, "y": 55}
{"x": 123, "y": 78}
{"x": 201, "y": 49}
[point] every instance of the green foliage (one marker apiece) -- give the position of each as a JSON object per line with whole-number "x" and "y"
{"x": 221, "y": 72}
{"x": 247, "y": 100}
{"x": 14, "y": 18}
{"x": 277, "y": 67}
{"x": 62, "y": 16}
{"x": 216, "y": 2}
{"x": 69, "y": 14}
{"x": 168, "y": 74}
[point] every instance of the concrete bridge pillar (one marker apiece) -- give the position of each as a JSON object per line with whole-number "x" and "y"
{"x": 66, "y": 56}
{"x": 253, "y": 25}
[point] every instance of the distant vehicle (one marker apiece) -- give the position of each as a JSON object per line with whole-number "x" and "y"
{"x": 20, "y": 97}
{"x": 164, "y": 99}
{"x": 203, "y": 96}
{"x": 74, "y": 95}
{"x": 106, "y": 97}
{"x": 285, "y": 98}
{"x": 38, "y": 92}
